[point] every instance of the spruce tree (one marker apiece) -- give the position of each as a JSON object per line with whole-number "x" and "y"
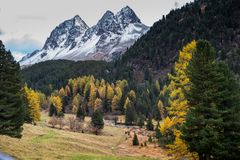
{"x": 81, "y": 113}
{"x": 212, "y": 122}
{"x": 12, "y": 109}
{"x": 135, "y": 140}
{"x": 150, "y": 126}
{"x": 130, "y": 115}
{"x": 97, "y": 121}
{"x": 52, "y": 111}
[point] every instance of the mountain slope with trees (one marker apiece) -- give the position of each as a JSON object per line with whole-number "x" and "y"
{"x": 214, "y": 20}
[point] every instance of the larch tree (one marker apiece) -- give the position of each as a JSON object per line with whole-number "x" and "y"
{"x": 92, "y": 95}
{"x": 33, "y": 105}
{"x": 109, "y": 97}
{"x": 57, "y": 103}
{"x": 76, "y": 102}
{"x": 161, "y": 109}
{"x": 115, "y": 102}
{"x": 178, "y": 105}
{"x": 62, "y": 92}
{"x": 12, "y": 109}
{"x": 97, "y": 104}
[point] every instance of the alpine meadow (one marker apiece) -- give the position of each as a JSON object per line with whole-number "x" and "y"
{"x": 123, "y": 86}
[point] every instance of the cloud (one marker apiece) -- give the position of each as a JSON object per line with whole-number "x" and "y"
{"x": 22, "y": 45}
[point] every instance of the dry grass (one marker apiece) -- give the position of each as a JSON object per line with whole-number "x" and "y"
{"x": 42, "y": 142}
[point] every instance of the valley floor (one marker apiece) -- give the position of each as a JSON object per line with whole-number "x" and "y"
{"x": 43, "y": 142}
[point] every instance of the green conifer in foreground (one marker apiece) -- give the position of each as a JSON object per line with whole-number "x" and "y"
{"x": 11, "y": 102}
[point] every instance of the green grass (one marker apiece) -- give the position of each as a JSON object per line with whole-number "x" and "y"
{"x": 45, "y": 137}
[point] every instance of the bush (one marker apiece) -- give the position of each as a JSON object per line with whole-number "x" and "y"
{"x": 53, "y": 121}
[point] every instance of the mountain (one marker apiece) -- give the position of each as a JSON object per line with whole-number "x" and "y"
{"x": 153, "y": 55}
{"x": 107, "y": 40}
{"x": 156, "y": 51}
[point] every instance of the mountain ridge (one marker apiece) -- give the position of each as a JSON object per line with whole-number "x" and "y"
{"x": 75, "y": 40}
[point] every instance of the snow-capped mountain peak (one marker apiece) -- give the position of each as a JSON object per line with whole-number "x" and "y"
{"x": 126, "y": 16}
{"x": 107, "y": 40}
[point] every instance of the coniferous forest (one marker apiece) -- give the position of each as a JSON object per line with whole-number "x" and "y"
{"x": 174, "y": 94}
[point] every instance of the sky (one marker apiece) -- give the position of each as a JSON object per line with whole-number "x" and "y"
{"x": 26, "y": 24}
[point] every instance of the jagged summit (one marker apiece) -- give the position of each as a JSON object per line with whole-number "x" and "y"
{"x": 107, "y": 40}
{"x": 126, "y": 16}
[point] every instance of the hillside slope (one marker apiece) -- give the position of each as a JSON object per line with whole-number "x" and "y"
{"x": 50, "y": 75}
{"x": 213, "y": 20}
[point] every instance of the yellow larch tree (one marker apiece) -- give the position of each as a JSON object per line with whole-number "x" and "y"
{"x": 97, "y": 104}
{"x": 62, "y": 92}
{"x": 57, "y": 103}
{"x": 115, "y": 102}
{"x": 161, "y": 108}
{"x": 110, "y": 93}
{"x": 76, "y": 103}
{"x": 178, "y": 105}
{"x": 92, "y": 94}
{"x": 67, "y": 90}
{"x": 33, "y": 105}
{"x": 127, "y": 103}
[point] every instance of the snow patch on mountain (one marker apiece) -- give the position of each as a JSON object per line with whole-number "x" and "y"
{"x": 107, "y": 40}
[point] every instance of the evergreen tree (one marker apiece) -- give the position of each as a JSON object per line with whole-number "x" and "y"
{"x": 135, "y": 140}
{"x": 12, "y": 109}
{"x": 157, "y": 131}
{"x": 97, "y": 121}
{"x": 52, "y": 111}
{"x": 212, "y": 123}
{"x": 150, "y": 126}
{"x": 130, "y": 113}
{"x": 81, "y": 113}
{"x": 140, "y": 121}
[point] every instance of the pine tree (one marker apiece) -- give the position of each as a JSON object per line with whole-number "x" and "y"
{"x": 52, "y": 111}
{"x": 157, "y": 131}
{"x": 150, "y": 126}
{"x": 135, "y": 140}
{"x": 81, "y": 113}
{"x": 210, "y": 128}
{"x": 12, "y": 109}
{"x": 97, "y": 121}
{"x": 130, "y": 113}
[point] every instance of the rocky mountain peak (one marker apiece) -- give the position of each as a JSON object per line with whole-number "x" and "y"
{"x": 107, "y": 40}
{"x": 66, "y": 32}
{"x": 127, "y": 16}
